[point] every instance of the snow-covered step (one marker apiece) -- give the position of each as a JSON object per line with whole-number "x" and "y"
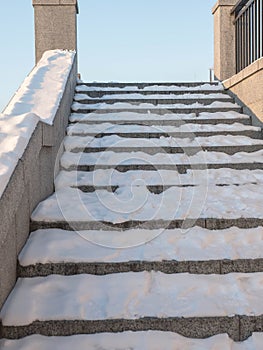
{"x": 100, "y": 93}
{"x": 229, "y": 117}
{"x": 149, "y": 94}
{"x": 197, "y": 107}
{"x": 212, "y": 207}
{"x": 194, "y": 305}
{"x": 83, "y": 99}
{"x": 125, "y": 161}
{"x": 150, "y": 340}
{"x": 163, "y": 178}
{"x": 195, "y": 86}
{"x": 156, "y": 131}
{"x": 156, "y": 96}
{"x": 196, "y": 250}
{"x": 230, "y": 144}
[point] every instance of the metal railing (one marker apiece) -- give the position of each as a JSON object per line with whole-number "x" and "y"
{"x": 249, "y": 32}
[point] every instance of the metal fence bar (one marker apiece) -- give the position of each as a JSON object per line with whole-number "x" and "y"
{"x": 253, "y": 32}
{"x": 249, "y": 32}
{"x": 261, "y": 27}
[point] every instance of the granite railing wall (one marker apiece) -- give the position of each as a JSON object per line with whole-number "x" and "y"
{"x": 32, "y": 129}
{"x": 29, "y": 152}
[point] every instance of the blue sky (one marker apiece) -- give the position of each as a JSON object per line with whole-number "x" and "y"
{"x": 119, "y": 40}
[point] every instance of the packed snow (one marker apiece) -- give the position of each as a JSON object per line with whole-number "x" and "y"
{"x": 82, "y": 129}
{"x": 42, "y": 90}
{"x": 136, "y": 203}
{"x": 205, "y": 87}
{"x": 15, "y": 133}
{"x": 152, "y": 340}
{"x": 76, "y": 106}
{"x": 36, "y": 100}
{"x": 132, "y": 296}
{"x": 194, "y": 244}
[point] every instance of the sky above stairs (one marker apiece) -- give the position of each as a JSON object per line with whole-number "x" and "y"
{"x": 161, "y": 40}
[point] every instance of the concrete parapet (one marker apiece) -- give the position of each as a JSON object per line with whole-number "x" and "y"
{"x": 224, "y": 39}
{"x": 32, "y": 181}
{"x": 55, "y": 25}
{"x": 247, "y": 88}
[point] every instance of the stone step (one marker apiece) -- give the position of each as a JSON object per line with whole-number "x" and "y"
{"x": 180, "y": 168}
{"x": 197, "y": 107}
{"x": 143, "y": 94}
{"x": 125, "y": 161}
{"x": 154, "y": 134}
{"x": 208, "y": 223}
{"x": 172, "y": 150}
{"x": 132, "y": 118}
{"x": 162, "y": 179}
{"x": 245, "y": 121}
{"x": 196, "y": 250}
{"x": 157, "y": 131}
{"x": 140, "y": 95}
{"x": 135, "y": 101}
{"x": 155, "y": 189}
{"x": 153, "y": 85}
{"x": 150, "y": 340}
{"x": 168, "y": 267}
{"x": 100, "y": 93}
{"x": 230, "y": 144}
{"x": 211, "y": 207}
{"x": 96, "y": 128}
{"x": 154, "y": 101}
{"x": 196, "y": 306}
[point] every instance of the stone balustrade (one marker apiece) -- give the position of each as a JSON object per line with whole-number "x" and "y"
{"x": 32, "y": 178}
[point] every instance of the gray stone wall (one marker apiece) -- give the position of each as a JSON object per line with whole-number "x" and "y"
{"x": 31, "y": 182}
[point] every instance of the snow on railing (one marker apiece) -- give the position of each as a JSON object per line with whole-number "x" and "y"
{"x": 37, "y": 99}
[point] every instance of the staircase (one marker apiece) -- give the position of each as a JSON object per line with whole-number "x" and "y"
{"x": 153, "y": 237}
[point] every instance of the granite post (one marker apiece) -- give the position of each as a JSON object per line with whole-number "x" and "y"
{"x": 224, "y": 39}
{"x": 55, "y": 25}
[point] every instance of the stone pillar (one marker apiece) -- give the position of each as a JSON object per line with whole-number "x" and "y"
{"x": 55, "y": 25}
{"x": 224, "y": 39}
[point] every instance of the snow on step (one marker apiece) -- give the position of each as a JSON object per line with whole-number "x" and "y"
{"x": 151, "y": 340}
{"x": 110, "y": 158}
{"x": 154, "y": 87}
{"x": 195, "y": 244}
{"x": 121, "y": 105}
{"x": 80, "y": 97}
{"x": 131, "y": 116}
{"x": 114, "y": 141}
{"x": 111, "y": 177}
{"x": 138, "y": 204}
{"x": 82, "y": 129}
{"x": 143, "y": 294}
